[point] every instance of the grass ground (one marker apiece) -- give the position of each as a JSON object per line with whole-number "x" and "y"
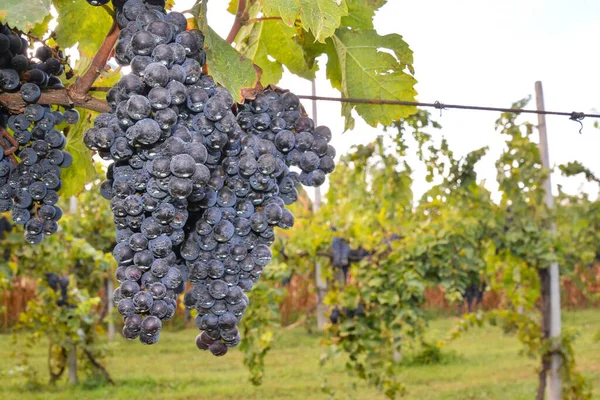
{"x": 484, "y": 364}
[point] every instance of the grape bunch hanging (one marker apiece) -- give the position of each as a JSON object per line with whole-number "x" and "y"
{"x": 32, "y": 153}
{"x": 197, "y": 183}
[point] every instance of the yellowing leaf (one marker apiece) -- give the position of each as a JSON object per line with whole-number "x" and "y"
{"x": 80, "y": 23}
{"x": 361, "y": 13}
{"x": 82, "y": 170}
{"x": 266, "y": 338}
{"x": 232, "y": 7}
{"x": 367, "y": 72}
{"x": 40, "y": 29}
{"x": 228, "y": 67}
{"x": 24, "y": 14}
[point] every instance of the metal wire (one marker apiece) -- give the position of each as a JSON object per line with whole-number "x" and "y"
{"x": 573, "y": 115}
{"x": 442, "y": 106}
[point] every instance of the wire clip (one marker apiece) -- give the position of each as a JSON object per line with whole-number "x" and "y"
{"x": 578, "y": 117}
{"x": 439, "y": 106}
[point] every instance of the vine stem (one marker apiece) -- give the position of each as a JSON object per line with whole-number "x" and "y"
{"x": 109, "y": 11}
{"x": 9, "y": 151}
{"x": 238, "y": 22}
{"x": 254, "y": 20}
{"x": 33, "y": 38}
{"x": 62, "y": 97}
{"x": 83, "y": 84}
{"x": 260, "y": 19}
{"x": 100, "y": 88}
{"x": 99, "y": 366}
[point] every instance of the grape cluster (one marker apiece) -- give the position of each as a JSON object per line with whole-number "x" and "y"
{"x": 119, "y": 6}
{"x": 198, "y": 183}
{"x": 60, "y": 285}
{"x": 29, "y": 76}
{"x": 229, "y": 247}
{"x": 30, "y": 181}
{"x": 157, "y": 163}
{"x": 345, "y": 313}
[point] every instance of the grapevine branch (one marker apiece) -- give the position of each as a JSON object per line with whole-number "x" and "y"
{"x": 99, "y": 366}
{"x": 33, "y": 38}
{"x": 10, "y": 140}
{"x": 254, "y": 20}
{"x": 100, "y": 88}
{"x": 8, "y": 150}
{"x": 240, "y": 18}
{"x": 62, "y": 366}
{"x": 14, "y": 103}
{"x": 77, "y": 94}
{"x": 83, "y": 84}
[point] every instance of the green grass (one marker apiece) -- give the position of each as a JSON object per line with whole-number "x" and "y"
{"x": 484, "y": 364}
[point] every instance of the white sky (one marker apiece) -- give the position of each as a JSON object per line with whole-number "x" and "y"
{"x": 484, "y": 53}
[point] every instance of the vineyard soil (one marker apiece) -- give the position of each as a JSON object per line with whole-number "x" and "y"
{"x": 484, "y": 364}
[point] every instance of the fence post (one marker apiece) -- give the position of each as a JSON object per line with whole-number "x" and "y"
{"x": 554, "y": 378}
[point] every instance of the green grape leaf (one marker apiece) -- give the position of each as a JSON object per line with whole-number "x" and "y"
{"x": 81, "y": 65}
{"x": 367, "y": 72}
{"x": 320, "y": 17}
{"x": 80, "y": 23}
{"x": 250, "y": 43}
{"x": 282, "y": 44}
{"x": 232, "y": 7}
{"x": 333, "y": 70}
{"x": 82, "y": 171}
{"x": 255, "y": 49}
{"x": 39, "y": 30}
{"x": 106, "y": 79}
{"x": 271, "y": 44}
{"x": 361, "y": 13}
{"x": 311, "y": 48}
{"x": 272, "y": 71}
{"x": 22, "y": 14}
{"x": 228, "y": 67}
{"x": 288, "y": 10}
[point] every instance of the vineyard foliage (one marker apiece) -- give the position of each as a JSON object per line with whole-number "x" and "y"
{"x": 454, "y": 237}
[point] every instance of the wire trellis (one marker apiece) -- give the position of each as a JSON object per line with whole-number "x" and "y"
{"x": 573, "y": 115}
